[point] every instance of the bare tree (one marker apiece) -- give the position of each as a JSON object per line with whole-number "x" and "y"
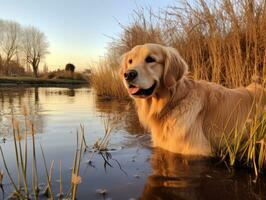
{"x": 35, "y": 47}
{"x": 10, "y": 39}
{"x": 1, "y": 38}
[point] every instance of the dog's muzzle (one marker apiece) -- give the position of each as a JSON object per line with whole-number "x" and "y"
{"x": 140, "y": 92}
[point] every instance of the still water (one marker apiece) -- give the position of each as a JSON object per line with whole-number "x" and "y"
{"x": 135, "y": 170}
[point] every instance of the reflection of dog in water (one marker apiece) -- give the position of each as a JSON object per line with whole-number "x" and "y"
{"x": 184, "y": 115}
{"x": 177, "y": 177}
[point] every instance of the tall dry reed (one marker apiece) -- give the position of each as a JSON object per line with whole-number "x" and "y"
{"x": 106, "y": 82}
{"x": 222, "y": 41}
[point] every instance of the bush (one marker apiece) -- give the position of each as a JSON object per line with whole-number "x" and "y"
{"x": 70, "y": 67}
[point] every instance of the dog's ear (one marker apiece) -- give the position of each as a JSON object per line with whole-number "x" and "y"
{"x": 122, "y": 63}
{"x": 174, "y": 67}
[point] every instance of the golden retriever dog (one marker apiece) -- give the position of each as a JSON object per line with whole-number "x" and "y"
{"x": 184, "y": 116}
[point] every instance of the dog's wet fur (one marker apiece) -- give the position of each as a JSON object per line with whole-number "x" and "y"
{"x": 184, "y": 116}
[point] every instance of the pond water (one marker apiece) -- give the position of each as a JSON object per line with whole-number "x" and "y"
{"x": 134, "y": 170}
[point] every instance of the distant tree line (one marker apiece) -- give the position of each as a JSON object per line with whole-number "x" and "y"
{"x": 21, "y": 46}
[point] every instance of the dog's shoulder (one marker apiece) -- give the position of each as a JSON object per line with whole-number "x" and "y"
{"x": 217, "y": 90}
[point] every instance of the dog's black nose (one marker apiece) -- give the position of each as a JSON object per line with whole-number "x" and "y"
{"x": 130, "y": 75}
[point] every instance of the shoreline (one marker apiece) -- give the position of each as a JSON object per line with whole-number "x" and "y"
{"x": 30, "y": 81}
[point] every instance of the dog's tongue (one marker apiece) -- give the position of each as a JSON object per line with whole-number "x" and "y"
{"x": 133, "y": 90}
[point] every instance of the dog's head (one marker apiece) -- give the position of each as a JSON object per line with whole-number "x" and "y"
{"x": 148, "y": 67}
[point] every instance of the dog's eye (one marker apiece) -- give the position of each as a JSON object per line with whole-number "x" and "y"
{"x": 149, "y": 59}
{"x": 130, "y": 61}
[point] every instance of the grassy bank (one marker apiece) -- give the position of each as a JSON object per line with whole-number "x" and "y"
{"x": 40, "y": 81}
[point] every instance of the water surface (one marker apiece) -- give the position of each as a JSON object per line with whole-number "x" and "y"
{"x": 136, "y": 170}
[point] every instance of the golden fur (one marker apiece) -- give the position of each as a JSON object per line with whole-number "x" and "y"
{"x": 184, "y": 116}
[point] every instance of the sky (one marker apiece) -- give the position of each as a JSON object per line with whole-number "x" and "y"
{"x": 78, "y": 31}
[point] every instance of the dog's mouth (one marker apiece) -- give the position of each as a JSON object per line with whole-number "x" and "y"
{"x": 136, "y": 91}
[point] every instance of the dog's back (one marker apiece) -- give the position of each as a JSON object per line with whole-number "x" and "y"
{"x": 227, "y": 110}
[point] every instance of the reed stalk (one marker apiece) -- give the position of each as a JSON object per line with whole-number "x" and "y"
{"x": 47, "y": 175}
